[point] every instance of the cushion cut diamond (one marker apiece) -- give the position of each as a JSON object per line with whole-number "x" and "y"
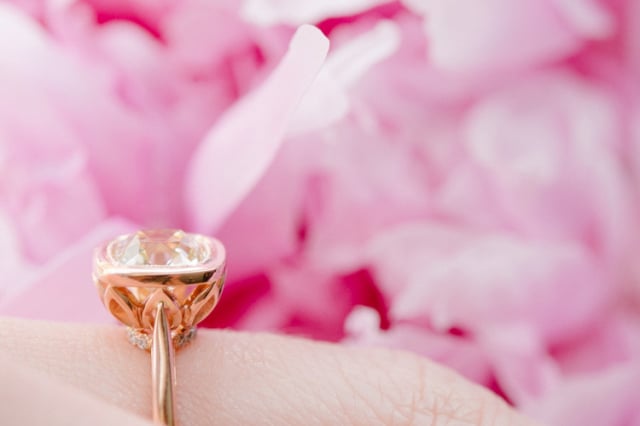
{"x": 164, "y": 247}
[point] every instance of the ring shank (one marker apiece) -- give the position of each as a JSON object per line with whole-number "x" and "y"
{"x": 162, "y": 369}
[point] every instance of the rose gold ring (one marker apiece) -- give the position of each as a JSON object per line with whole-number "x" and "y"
{"x": 160, "y": 284}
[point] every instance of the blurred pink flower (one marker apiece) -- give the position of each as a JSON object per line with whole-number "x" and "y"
{"x": 456, "y": 178}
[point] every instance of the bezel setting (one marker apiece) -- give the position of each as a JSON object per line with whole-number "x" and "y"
{"x": 189, "y": 288}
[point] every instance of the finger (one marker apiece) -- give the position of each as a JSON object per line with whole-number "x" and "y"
{"x": 32, "y": 399}
{"x": 235, "y": 378}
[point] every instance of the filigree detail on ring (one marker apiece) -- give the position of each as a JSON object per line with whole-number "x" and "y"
{"x": 183, "y": 272}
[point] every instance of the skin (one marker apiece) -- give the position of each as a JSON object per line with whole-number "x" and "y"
{"x": 68, "y": 374}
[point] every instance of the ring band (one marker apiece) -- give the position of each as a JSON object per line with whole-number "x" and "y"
{"x": 160, "y": 284}
{"x": 163, "y": 371}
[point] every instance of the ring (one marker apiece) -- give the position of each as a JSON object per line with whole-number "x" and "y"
{"x": 160, "y": 284}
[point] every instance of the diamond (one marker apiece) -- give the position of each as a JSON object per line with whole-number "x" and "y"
{"x": 142, "y": 338}
{"x": 163, "y": 247}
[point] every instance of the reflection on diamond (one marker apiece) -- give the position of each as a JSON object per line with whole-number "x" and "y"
{"x": 164, "y": 247}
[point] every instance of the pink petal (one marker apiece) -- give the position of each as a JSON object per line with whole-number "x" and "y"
{"x": 608, "y": 397}
{"x": 45, "y": 179}
{"x": 548, "y": 149}
{"x": 241, "y": 146}
{"x": 466, "y": 357}
{"x": 589, "y": 18}
{"x": 296, "y": 12}
{"x": 523, "y": 368}
{"x": 475, "y": 281}
{"x": 327, "y": 100}
{"x": 15, "y": 268}
{"x": 146, "y": 13}
{"x": 493, "y": 35}
{"x": 632, "y": 36}
{"x": 613, "y": 340}
{"x": 279, "y": 197}
{"x": 55, "y": 85}
{"x": 204, "y": 36}
{"x": 62, "y": 290}
{"x": 352, "y": 197}
{"x": 316, "y": 302}
{"x": 635, "y": 141}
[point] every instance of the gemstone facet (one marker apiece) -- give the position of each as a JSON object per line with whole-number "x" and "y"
{"x": 164, "y": 247}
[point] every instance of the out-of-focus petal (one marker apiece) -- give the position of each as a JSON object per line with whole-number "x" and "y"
{"x": 150, "y": 106}
{"x": 243, "y": 143}
{"x": 327, "y": 100}
{"x": 324, "y": 104}
{"x": 522, "y": 366}
{"x": 544, "y": 155}
{"x": 16, "y": 270}
{"x": 146, "y": 13}
{"x": 465, "y": 356}
{"x": 613, "y": 339}
{"x": 203, "y": 35}
{"x": 632, "y": 35}
{"x": 316, "y": 302}
{"x": 589, "y": 18}
{"x": 279, "y": 197}
{"x": 282, "y": 193}
{"x": 296, "y": 12}
{"x": 475, "y": 281}
{"x": 352, "y": 196}
{"x": 635, "y": 148}
{"x": 45, "y": 182}
{"x": 608, "y": 397}
{"x": 498, "y": 35}
{"x": 354, "y": 58}
{"x": 62, "y": 289}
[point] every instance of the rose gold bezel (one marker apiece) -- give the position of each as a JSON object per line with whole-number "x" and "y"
{"x": 189, "y": 293}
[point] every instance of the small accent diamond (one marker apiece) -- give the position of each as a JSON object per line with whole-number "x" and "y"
{"x": 142, "y": 339}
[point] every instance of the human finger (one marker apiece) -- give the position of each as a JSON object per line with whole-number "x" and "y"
{"x": 241, "y": 379}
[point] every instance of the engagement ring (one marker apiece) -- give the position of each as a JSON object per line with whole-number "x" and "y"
{"x": 160, "y": 284}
